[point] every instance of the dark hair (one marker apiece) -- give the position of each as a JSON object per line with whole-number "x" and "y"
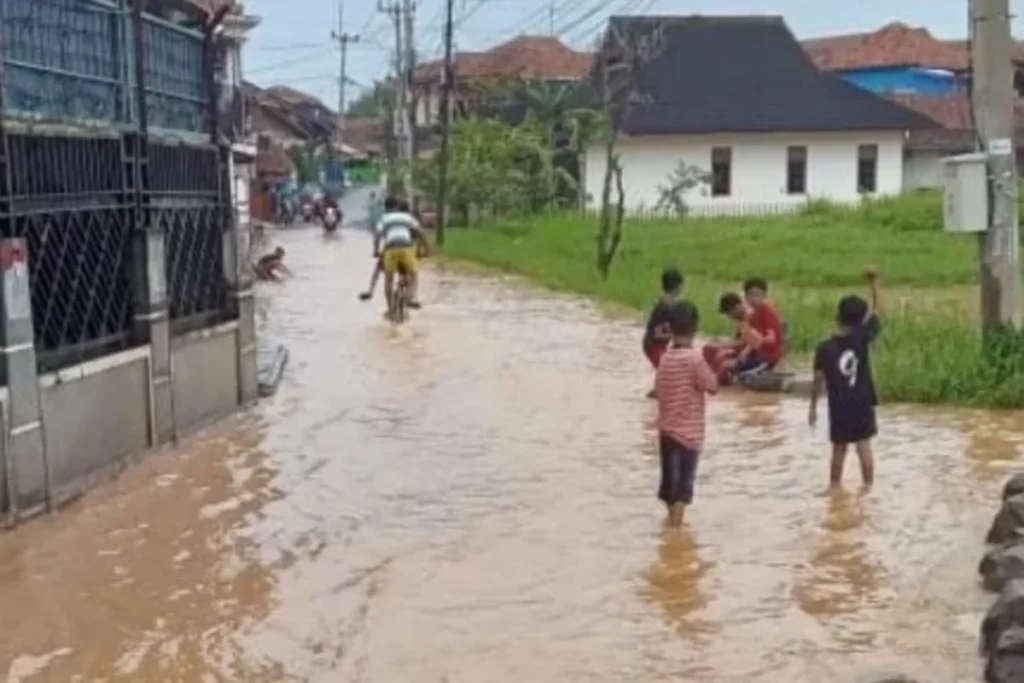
{"x": 728, "y": 302}
{"x": 684, "y": 318}
{"x": 404, "y": 206}
{"x": 671, "y": 280}
{"x": 755, "y": 283}
{"x": 392, "y": 204}
{"x": 851, "y": 311}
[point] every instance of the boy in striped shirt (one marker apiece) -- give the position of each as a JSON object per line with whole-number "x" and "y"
{"x": 682, "y": 383}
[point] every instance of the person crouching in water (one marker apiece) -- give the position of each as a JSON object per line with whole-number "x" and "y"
{"x": 271, "y": 266}
{"x": 658, "y": 333}
{"x": 682, "y": 382}
{"x": 759, "y": 344}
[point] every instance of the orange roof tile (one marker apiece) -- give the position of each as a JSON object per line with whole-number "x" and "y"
{"x": 895, "y": 44}
{"x": 530, "y": 57}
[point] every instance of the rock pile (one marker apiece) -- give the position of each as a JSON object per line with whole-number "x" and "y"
{"x": 1002, "y": 571}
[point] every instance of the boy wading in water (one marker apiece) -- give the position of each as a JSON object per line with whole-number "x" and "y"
{"x": 842, "y": 369}
{"x": 658, "y": 333}
{"x": 682, "y": 383}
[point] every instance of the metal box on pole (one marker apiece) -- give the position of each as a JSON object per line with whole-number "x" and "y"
{"x": 965, "y": 200}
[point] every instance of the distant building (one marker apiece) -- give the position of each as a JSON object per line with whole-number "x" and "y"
{"x": 757, "y": 116}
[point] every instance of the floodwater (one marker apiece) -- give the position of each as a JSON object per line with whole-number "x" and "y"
{"x": 471, "y": 499}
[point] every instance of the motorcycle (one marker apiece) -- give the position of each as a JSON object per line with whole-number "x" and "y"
{"x": 306, "y": 212}
{"x": 332, "y": 219}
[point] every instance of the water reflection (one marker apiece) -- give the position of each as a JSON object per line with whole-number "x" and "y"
{"x": 673, "y": 582}
{"x": 842, "y": 577}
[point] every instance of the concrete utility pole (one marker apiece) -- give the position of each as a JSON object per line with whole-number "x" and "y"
{"x": 402, "y": 127}
{"x": 448, "y": 86}
{"x": 343, "y": 39}
{"x": 993, "y": 96}
{"x": 409, "y": 15}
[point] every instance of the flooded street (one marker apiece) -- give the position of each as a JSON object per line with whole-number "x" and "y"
{"x": 470, "y": 499}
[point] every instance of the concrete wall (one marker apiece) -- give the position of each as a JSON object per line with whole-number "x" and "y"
{"x": 923, "y": 169}
{"x": 205, "y": 375}
{"x": 759, "y": 166}
{"x": 96, "y": 417}
{"x": 61, "y": 432}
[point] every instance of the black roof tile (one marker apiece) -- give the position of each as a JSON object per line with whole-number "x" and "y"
{"x": 741, "y": 74}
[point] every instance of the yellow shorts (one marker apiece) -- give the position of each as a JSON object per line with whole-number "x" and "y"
{"x": 403, "y": 257}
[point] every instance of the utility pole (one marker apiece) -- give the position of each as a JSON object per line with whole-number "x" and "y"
{"x": 993, "y": 96}
{"x": 396, "y": 10}
{"x": 343, "y": 39}
{"x": 551, "y": 18}
{"x": 409, "y": 16}
{"x": 448, "y": 85}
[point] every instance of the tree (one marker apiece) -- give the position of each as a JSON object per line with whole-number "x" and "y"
{"x": 371, "y": 101}
{"x": 586, "y": 128}
{"x": 620, "y": 58}
{"x": 495, "y": 167}
{"x": 682, "y": 180}
{"x": 308, "y": 162}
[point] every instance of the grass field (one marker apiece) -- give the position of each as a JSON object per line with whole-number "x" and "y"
{"x": 931, "y": 350}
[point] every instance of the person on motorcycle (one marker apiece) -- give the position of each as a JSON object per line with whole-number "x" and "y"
{"x": 395, "y": 241}
{"x": 330, "y": 204}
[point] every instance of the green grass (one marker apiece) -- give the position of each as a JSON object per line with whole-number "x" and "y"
{"x": 931, "y": 350}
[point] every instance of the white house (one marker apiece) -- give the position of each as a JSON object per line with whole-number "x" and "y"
{"x": 738, "y": 98}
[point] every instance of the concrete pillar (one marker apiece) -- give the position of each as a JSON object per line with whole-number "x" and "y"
{"x": 238, "y": 272}
{"x": 152, "y": 325}
{"x": 28, "y": 481}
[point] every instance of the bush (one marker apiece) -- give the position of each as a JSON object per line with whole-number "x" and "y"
{"x": 931, "y": 350}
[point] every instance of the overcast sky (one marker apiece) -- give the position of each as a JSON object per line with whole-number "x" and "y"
{"x": 292, "y": 46}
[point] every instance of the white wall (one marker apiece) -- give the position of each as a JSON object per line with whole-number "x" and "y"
{"x": 758, "y": 167}
{"x": 923, "y": 169}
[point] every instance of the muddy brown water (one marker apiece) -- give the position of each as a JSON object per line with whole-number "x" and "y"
{"x": 471, "y": 499}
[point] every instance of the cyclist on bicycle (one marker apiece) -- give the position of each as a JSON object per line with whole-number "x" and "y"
{"x": 394, "y": 242}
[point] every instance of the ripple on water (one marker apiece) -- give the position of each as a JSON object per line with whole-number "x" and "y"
{"x": 472, "y": 497}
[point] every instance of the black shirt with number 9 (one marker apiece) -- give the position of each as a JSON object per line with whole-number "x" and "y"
{"x": 844, "y": 361}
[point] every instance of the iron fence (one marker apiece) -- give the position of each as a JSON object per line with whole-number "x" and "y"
{"x": 74, "y": 192}
{"x": 67, "y": 198}
{"x": 187, "y": 200}
{"x": 175, "y": 76}
{"x": 65, "y": 59}
{"x": 73, "y": 60}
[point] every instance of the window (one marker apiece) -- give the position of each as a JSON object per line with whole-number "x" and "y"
{"x": 867, "y": 169}
{"x": 721, "y": 172}
{"x": 796, "y": 170}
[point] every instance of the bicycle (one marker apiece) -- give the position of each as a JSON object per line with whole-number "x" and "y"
{"x": 400, "y": 298}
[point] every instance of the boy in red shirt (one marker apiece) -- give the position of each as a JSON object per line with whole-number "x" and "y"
{"x": 760, "y": 343}
{"x": 765, "y": 319}
{"x": 682, "y": 382}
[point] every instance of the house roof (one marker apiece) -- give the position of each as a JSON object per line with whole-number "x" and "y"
{"x": 365, "y": 133}
{"x": 742, "y": 74}
{"x": 956, "y": 125}
{"x": 531, "y": 57}
{"x": 893, "y": 45}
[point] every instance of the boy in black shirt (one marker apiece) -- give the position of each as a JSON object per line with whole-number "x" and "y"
{"x": 658, "y": 333}
{"x": 842, "y": 368}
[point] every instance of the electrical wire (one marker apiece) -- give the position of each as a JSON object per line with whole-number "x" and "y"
{"x": 290, "y": 62}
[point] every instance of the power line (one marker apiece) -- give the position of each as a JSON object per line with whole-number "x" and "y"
{"x": 290, "y": 62}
